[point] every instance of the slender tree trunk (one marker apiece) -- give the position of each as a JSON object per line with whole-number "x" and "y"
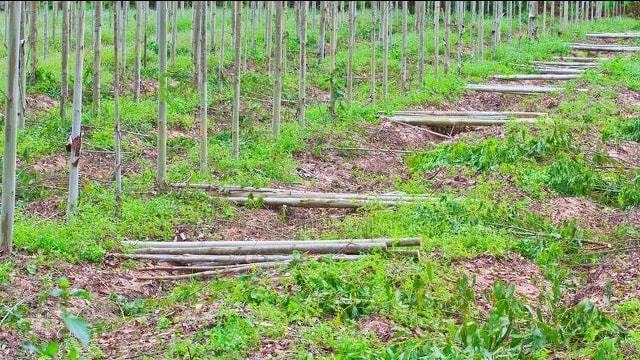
{"x": 472, "y": 26}
{"x": 123, "y": 38}
{"x": 235, "y": 122}
{"x": 204, "y": 125}
{"x": 544, "y": 17}
{"x": 533, "y": 18}
{"x": 459, "y": 15}
{"x": 75, "y": 140}
{"x": 161, "y": 9}
{"x": 196, "y": 43}
{"x": 323, "y": 28}
{"x": 45, "y": 26}
{"x": 136, "y": 65}
{"x": 268, "y": 37}
{"x": 447, "y": 35}
{"x": 277, "y": 76}
{"x": 64, "y": 91}
{"x": 22, "y": 72}
{"x": 405, "y": 16}
{"x": 352, "y": 45}
{"x": 116, "y": 108}
{"x": 33, "y": 42}
{"x": 436, "y": 37}
{"x": 174, "y": 31}
{"x": 374, "y": 44}
{"x": 12, "y": 35}
{"x": 97, "y": 45}
{"x": 222, "y": 29}
{"x": 212, "y": 38}
{"x": 144, "y": 31}
{"x": 481, "y": 30}
{"x": 302, "y": 86}
{"x": 385, "y": 50}
{"x": 332, "y": 57}
{"x": 420, "y": 17}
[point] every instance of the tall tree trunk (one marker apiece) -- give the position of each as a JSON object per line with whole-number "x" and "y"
{"x": 75, "y": 140}
{"x": 459, "y": 15}
{"x": 302, "y": 85}
{"x": 332, "y": 57}
{"x": 144, "y": 31}
{"x": 277, "y": 76}
{"x": 97, "y": 45}
{"x": 123, "y": 38}
{"x": 533, "y": 20}
{"x": 235, "y": 121}
{"x": 222, "y": 29}
{"x": 22, "y": 72}
{"x": 33, "y": 42}
{"x": 45, "y": 26}
{"x": 420, "y": 17}
{"x": 268, "y": 37}
{"x": 323, "y": 28}
{"x": 481, "y": 30}
{"x": 447, "y": 35}
{"x": 472, "y": 25}
{"x": 212, "y": 38}
{"x": 352, "y": 45}
{"x": 14, "y": 10}
{"x": 544, "y": 17}
{"x": 64, "y": 83}
{"x": 116, "y": 108}
{"x": 436, "y": 37}
{"x": 136, "y": 65}
{"x": 174, "y": 31}
{"x": 204, "y": 125}
{"x": 385, "y": 49}
{"x": 196, "y": 43}
{"x": 405, "y": 16}
{"x": 161, "y": 8}
{"x": 374, "y": 44}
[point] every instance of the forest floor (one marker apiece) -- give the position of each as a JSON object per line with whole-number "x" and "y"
{"x": 534, "y": 233}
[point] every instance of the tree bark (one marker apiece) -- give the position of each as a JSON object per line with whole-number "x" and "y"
{"x": 374, "y": 44}
{"x": 277, "y": 75}
{"x": 33, "y": 42}
{"x": 64, "y": 91}
{"x": 222, "y": 37}
{"x": 116, "y": 109}
{"x": 12, "y": 34}
{"x": 235, "y": 122}
{"x": 403, "y": 75}
{"x": 136, "y": 65}
{"x": 352, "y": 45}
{"x": 97, "y": 48}
{"x": 302, "y": 85}
{"x": 162, "y": 92}
{"x": 75, "y": 140}
{"x": 385, "y": 48}
{"x": 436, "y": 37}
{"x": 204, "y": 152}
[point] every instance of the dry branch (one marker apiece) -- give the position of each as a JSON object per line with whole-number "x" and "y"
{"x": 513, "y": 89}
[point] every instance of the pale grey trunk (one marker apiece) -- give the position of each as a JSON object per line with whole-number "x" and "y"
{"x": 352, "y": 45}
{"x": 302, "y": 86}
{"x": 481, "y": 30}
{"x": 116, "y": 110}
{"x": 12, "y": 34}
{"x": 268, "y": 37}
{"x": 174, "y": 31}
{"x": 436, "y": 37}
{"x": 97, "y": 44}
{"x": 405, "y": 15}
{"x": 533, "y": 18}
{"x": 332, "y": 57}
{"x": 33, "y": 42}
{"x": 144, "y": 31}
{"x": 136, "y": 64}
{"x": 64, "y": 91}
{"x": 22, "y": 73}
{"x": 385, "y": 50}
{"x": 459, "y": 15}
{"x": 75, "y": 140}
{"x": 277, "y": 76}
{"x": 222, "y": 29}
{"x": 472, "y": 25}
{"x": 235, "y": 121}
{"x": 123, "y": 39}
{"x": 447, "y": 35}
{"x": 162, "y": 92}
{"x": 204, "y": 153}
{"x": 212, "y": 46}
{"x": 374, "y": 44}
{"x": 197, "y": 14}
{"x": 45, "y": 26}
{"x": 420, "y": 17}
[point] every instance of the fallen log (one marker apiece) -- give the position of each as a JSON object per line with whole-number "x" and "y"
{"x": 558, "y": 71}
{"x": 469, "y": 121}
{"x": 220, "y": 259}
{"x": 393, "y": 151}
{"x": 518, "y": 77}
{"x": 631, "y": 35}
{"x": 513, "y": 89}
{"x": 344, "y": 203}
{"x": 604, "y": 48}
{"x": 251, "y": 243}
{"x": 348, "y": 248}
{"x": 520, "y": 114}
{"x": 579, "y": 59}
{"x": 580, "y": 65}
{"x": 218, "y": 272}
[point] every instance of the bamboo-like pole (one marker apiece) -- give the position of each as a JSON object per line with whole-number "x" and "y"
{"x": 331, "y": 248}
{"x": 277, "y": 75}
{"x": 116, "y": 110}
{"x": 161, "y": 174}
{"x": 512, "y": 89}
{"x": 33, "y": 41}
{"x": 519, "y": 77}
{"x": 352, "y": 45}
{"x": 403, "y": 75}
{"x": 604, "y": 48}
{"x": 204, "y": 124}
{"x": 12, "y": 33}
{"x": 222, "y": 48}
{"x": 75, "y": 140}
{"x": 462, "y": 121}
{"x": 373, "y": 51}
{"x": 317, "y": 202}
{"x": 385, "y": 48}
{"x": 389, "y": 242}
{"x": 137, "y": 64}
{"x": 623, "y": 35}
{"x": 64, "y": 91}
{"x": 235, "y": 121}
{"x": 97, "y": 53}
{"x": 302, "y": 84}
{"x": 520, "y": 114}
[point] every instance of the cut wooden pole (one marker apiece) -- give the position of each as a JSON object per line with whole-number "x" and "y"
{"x": 318, "y": 202}
{"x": 629, "y": 35}
{"x": 218, "y": 259}
{"x": 519, "y": 114}
{"x": 565, "y": 64}
{"x": 390, "y": 242}
{"x": 512, "y": 89}
{"x": 579, "y": 59}
{"x": 604, "y": 48}
{"x": 468, "y": 121}
{"x": 558, "y": 70}
{"x": 331, "y": 248}
{"x": 219, "y": 271}
{"x": 548, "y": 77}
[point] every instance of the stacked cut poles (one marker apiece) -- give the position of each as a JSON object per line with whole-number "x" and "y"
{"x": 605, "y": 48}
{"x": 307, "y": 199}
{"x": 633, "y": 35}
{"x": 215, "y": 258}
{"x": 546, "y": 77}
{"x": 471, "y": 118}
{"x": 512, "y": 89}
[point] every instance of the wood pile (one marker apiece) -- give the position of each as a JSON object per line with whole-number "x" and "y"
{"x": 306, "y": 199}
{"x": 513, "y": 89}
{"x": 603, "y": 47}
{"x": 217, "y": 258}
{"x": 623, "y": 35}
{"x": 464, "y": 118}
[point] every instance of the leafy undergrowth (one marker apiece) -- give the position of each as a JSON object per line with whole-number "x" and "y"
{"x": 381, "y": 306}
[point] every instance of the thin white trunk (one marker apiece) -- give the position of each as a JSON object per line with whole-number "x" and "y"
{"x": 302, "y": 85}
{"x": 405, "y": 15}
{"x": 385, "y": 51}
{"x": 97, "y": 45}
{"x": 235, "y": 121}
{"x": 13, "y": 9}
{"x": 45, "y": 26}
{"x": 222, "y": 29}
{"x": 481, "y": 30}
{"x": 420, "y": 20}
{"x": 22, "y": 72}
{"x": 162, "y": 92}
{"x": 33, "y": 41}
{"x": 436, "y": 37}
{"x": 75, "y": 140}
{"x": 204, "y": 153}
{"x": 352, "y": 45}
{"x": 64, "y": 83}
{"x": 277, "y": 75}
{"x": 136, "y": 65}
{"x": 116, "y": 110}
{"x": 174, "y": 31}
{"x": 374, "y": 44}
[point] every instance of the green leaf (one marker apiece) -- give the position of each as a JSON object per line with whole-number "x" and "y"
{"x": 81, "y": 293}
{"x": 77, "y": 326}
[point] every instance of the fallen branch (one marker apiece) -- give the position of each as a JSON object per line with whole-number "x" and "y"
{"x": 331, "y": 248}
{"x": 513, "y": 89}
{"x": 252, "y": 243}
{"x": 519, "y": 77}
{"x": 604, "y": 48}
{"x": 630, "y": 35}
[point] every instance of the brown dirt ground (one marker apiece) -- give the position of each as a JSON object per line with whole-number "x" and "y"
{"x": 626, "y": 153}
{"x": 489, "y": 101}
{"x": 619, "y": 272}
{"x": 383, "y": 329}
{"x": 628, "y": 102}
{"x": 39, "y": 103}
{"x": 511, "y": 269}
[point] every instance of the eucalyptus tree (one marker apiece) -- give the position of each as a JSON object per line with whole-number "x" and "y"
{"x": 14, "y": 10}
{"x": 22, "y": 64}
{"x": 532, "y": 20}
{"x": 33, "y": 42}
{"x": 137, "y": 63}
{"x": 174, "y": 30}
{"x": 565, "y": 15}
{"x": 472, "y": 25}
{"x": 123, "y": 37}
{"x": 116, "y": 109}
{"x": 64, "y": 83}
{"x": 420, "y": 17}
{"x": 385, "y": 48}
{"x": 204, "y": 152}
{"x": 373, "y": 51}
{"x": 481, "y": 30}
{"x": 459, "y": 16}
{"x": 197, "y": 15}
{"x": 302, "y": 85}
{"x": 75, "y": 140}
{"x": 277, "y": 76}
{"x": 436, "y": 36}
{"x": 222, "y": 37}
{"x": 162, "y": 92}
{"x": 352, "y": 45}
{"x": 333, "y": 46}
{"x": 268, "y": 36}
{"x": 403, "y": 75}
{"x": 212, "y": 38}
{"x": 45, "y": 26}
{"x": 324, "y": 5}
{"x": 447, "y": 35}
{"x": 235, "y": 121}
{"x": 145, "y": 5}
{"x": 97, "y": 48}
